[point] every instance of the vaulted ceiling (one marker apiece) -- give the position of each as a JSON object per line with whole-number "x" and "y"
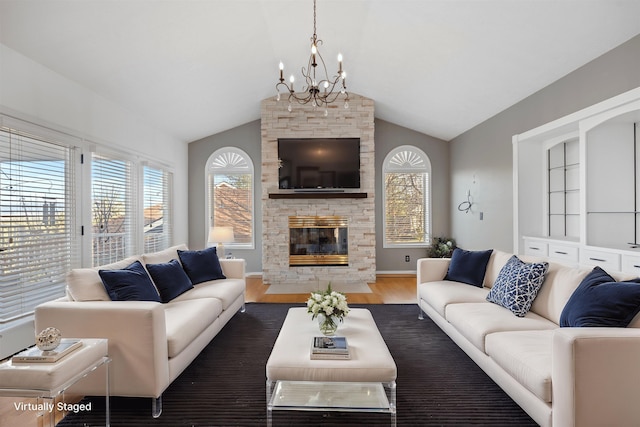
{"x": 193, "y": 68}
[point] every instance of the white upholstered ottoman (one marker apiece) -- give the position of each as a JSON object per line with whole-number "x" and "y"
{"x": 291, "y": 372}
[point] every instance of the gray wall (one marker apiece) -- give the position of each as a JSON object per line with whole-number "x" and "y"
{"x": 389, "y": 136}
{"x": 247, "y": 138}
{"x": 481, "y": 158}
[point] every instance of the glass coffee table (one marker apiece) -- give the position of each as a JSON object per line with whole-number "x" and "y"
{"x": 332, "y": 396}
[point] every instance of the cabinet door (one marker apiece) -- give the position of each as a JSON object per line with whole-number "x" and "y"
{"x": 563, "y": 169}
{"x": 611, "y": 184}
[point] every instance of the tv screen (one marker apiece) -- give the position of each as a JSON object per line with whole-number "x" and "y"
{"x": 319, "y": 163}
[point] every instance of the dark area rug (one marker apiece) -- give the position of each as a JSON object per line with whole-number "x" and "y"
{"x": 225, "y": 386}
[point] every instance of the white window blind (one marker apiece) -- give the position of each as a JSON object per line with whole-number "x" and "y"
{"x": 157, "y": 209}
{"x": 112, "y": 208}
{"x": 231, "y": 194}
{"x": 406, "y": 172}
{"x": 37, "y": 217}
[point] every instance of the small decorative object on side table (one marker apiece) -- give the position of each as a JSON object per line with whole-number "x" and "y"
{"x": 330, "y": 307}
{"x": 48, "y": 339}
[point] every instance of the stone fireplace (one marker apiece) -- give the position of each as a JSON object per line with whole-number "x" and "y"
{"x": 355, "y": 208}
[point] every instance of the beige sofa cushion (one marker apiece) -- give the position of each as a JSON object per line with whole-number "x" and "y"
{"x": 185, "y": 320}
{"x": 85, "y": 284}
{"x": 226, "y": 290}
{"x": 497, "y": 260}
{"x": 476, "y": 320}
{"x": 556, "y": 290}
{"x": 526, "y": 356}
{"x": 163, "y": 256}
{"x": 442, "y": 293}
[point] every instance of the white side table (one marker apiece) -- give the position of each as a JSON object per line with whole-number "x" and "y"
{"x": 46, "y": 381}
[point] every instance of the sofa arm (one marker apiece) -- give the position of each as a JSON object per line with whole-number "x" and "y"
{"x": 596, "y": 376}
{"x": 137, "y": 341}
{"x": 233, "y": 268}
{"x": 432, "y": 269}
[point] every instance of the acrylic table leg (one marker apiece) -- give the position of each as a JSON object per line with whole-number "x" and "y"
{"x": 392, "y": 402}
{"x": 269, "y": 407}
{"x": 107, "y": 408}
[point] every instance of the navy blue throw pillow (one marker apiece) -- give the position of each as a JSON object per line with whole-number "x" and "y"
{"x": 601, "y": 301}
{"x": 132, "y": 283}
{"x": 170, "y": 279}
{"x": 468, "y": 266}
{"x": 201, "y": 266}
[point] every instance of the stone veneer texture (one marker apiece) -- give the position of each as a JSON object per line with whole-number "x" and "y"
{"x": 306, "y": 122}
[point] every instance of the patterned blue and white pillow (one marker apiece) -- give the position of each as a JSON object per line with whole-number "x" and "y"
{"x": 517, "y": 285}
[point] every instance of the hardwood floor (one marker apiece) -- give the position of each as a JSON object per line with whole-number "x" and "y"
{"x": 388, "y": 289}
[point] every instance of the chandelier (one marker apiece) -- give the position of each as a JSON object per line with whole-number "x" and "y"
{"x": 321, "y": 90}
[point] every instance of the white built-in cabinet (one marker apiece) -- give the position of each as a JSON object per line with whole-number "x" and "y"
{"x": 577, "y": 187}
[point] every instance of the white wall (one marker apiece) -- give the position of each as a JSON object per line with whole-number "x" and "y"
{"x": 32, "y": 92}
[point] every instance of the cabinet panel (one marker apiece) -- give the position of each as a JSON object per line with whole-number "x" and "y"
{"x": 609, "y": 261}
{"x": 564, "y": 253}
{"x": 536, "y": 248}
{"x": 610, "y": 168}
{"x": 610, "y": 230}
{"x": 631, "y": 264}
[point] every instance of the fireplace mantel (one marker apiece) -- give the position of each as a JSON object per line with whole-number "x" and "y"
{"x": 318, "y": 195}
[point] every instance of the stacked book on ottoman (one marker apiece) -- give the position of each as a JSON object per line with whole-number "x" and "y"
{"x": 330, "y": 348}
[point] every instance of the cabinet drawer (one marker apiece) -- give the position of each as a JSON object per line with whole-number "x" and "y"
{"x": 563, "y": 253}
{"x": 631, "y": 264}
{"x": 536, "y": 248}
{"x": 607, "y": 260}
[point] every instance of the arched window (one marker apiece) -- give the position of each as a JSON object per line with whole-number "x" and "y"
{"x": 406, "y": 198}
{"x": 230, "y": 200}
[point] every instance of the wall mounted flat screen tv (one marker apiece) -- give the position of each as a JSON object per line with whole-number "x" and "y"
{"x": 319, "y": 163}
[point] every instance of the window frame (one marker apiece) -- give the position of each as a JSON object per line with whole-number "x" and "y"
{"x": 51, "y": 286}
{"x": 414, "y": 160}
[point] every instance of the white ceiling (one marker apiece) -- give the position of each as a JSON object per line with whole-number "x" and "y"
{"x": 198, "y": 67}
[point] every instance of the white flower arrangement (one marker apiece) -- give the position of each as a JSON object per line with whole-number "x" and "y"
{"x": 329, "y": 303}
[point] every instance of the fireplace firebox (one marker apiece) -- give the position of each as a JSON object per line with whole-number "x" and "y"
{"x": 318, "y": 241}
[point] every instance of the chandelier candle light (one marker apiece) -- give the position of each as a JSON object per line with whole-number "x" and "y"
{"x": 320, "y": 92}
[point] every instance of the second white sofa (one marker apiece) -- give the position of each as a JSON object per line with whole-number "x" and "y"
{"x": 561, "y": 376}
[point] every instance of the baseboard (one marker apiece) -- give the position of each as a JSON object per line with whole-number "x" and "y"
{"x": 398, "y": 273}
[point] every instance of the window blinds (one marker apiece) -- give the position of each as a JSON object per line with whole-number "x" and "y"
{"x": 157, "y": 209}
{"x": 37, "y": 216}
{"x": 112, "y": 209}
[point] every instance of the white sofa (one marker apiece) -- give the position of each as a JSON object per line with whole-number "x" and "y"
{"x": 588, "y": 376}
{"x": 150, "y": 343}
